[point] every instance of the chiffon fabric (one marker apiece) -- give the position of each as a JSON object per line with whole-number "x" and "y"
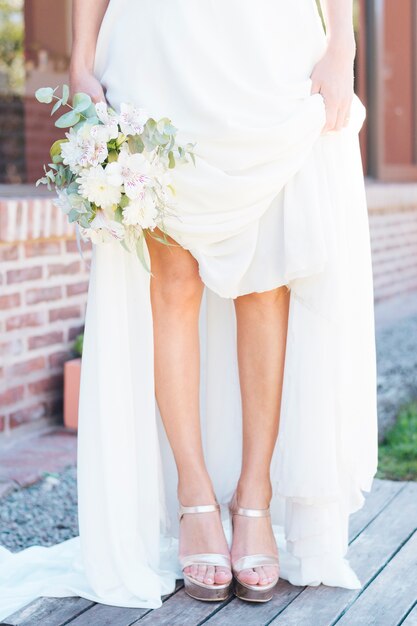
{"x": 272, "y": 201}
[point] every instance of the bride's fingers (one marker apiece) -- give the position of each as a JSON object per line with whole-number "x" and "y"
{"x": 331, "y": 115}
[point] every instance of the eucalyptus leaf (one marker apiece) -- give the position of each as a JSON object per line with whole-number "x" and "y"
{"x": 65, "y": 94}
{"x": 81, "y": 102}
{"x": 44, "y": 95}
{"x": 68, "y": 119}
{"x": 56, "y": 107}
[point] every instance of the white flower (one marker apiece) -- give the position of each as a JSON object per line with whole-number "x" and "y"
{"x": 109, "y": 226}
{"x": 83, "y": 149}
{"x": 141, "y": 212}
{"x": 131, "y": 119}
{"x": 130, "y": 170}
{"x": 97, "y": 188}
{"x": 108, "y": 129}
{"x": 71, "y": 151}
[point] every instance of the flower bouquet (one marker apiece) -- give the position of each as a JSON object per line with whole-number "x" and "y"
{"x": 111, "y": 172}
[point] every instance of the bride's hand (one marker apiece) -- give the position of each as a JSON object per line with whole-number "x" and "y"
{"x": 332, "y": 76}
{"x": 84, "y": 81}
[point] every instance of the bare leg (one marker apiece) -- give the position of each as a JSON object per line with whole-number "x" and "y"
{"x": 262, "y": 321}
{"x": 176, "y": 292}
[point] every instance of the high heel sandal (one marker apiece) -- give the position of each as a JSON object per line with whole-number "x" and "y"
{"x": 195, "y": 588}
{"x": 245, "y": 591}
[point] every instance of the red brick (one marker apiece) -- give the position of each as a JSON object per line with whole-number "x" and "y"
{"x": 9, "y": 252}
{"x": 58, "y": 269}
{"x": 9, "y": 301}
{"x": 74, "y": 332}
{"x": 28, "y": 414}
{"x": 24, "y": 274}
{"x": 27, "y": 367}
{"x": 43, "y": 294}
{"x": 24, "y": 320}
{"x": 71, "y": 246}
{"x": 12, "y": 395}
{"x": 11, "y": 348}
{"x": 42, "y": 248}
{"x": 57, "y": 359}
{"x": 77, "y": 288}
{"x": 64, "y": 313}
{"x": 46, "y": 384}
{"x": 48, "y": 339}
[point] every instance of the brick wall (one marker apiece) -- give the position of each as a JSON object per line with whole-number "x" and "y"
{"x": 43, "y": 285}
{"x": 393, "y": 223}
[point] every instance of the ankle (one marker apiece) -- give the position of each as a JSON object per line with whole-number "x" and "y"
{"x": 195, "y": 492}
{"x": 254, "y": 493}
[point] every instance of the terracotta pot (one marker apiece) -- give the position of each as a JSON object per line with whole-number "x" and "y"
{"x": 72, "y": 374}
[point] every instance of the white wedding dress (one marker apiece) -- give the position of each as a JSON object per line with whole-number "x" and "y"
{"x": 272, "y": 201}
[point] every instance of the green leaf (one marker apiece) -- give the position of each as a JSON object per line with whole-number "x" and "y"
{"x": 81, "y": 102}
{"x": 124, "y": 201}
{"x": 56, "y": 148}
{"x": 65, "y": 94}
{"x": 73, "y": 215}
{"x": 113, "y": 154}
{"x": 56, "y": 107}
{"x": 68, "y": 119}
{"x": 136, "y": 144}
{"x": 171, "y": 160}
{"x": 140, "y": 249}
{"x": 44, "y": 95}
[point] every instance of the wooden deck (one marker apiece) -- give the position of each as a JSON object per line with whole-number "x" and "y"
{"x": 383, "y": 551}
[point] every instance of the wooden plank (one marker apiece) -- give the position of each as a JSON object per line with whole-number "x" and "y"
{"x": 391, "y": 595}
{"x": 252, "y": 614}
{"x": 383, "y": 491}
{"x": 179, "y": 610}
{"x": 381, "y": 494}
{"x": 411, "y": 619}
{"x": 368, "y": 554}
{"x": 105, "y": 615}
{"x": 48, "y": 612}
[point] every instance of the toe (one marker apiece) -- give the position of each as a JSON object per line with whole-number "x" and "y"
{"x": 187, "y": 570}
{"x": 271, "y": 572}
{"x": 201, "y": 573}
{"x": 222, "y": 576}
{"x": 209, "y": 577}
{"x": 194, "y": 571}
{"x": 263, "y": 578}
{"x": 249, "y": 576}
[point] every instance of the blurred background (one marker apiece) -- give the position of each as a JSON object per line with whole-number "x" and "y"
{"x": 43, "y": 279}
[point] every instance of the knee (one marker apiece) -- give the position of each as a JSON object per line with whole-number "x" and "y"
{"x": 178, "y": 285}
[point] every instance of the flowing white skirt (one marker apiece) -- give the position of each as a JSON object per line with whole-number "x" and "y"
{"x": 272, "y": 201}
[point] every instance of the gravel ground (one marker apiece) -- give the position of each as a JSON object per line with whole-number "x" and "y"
{"x": 46, "y": 513}
{"x": 397, "y": 369}
{"x": 43, "y": 514}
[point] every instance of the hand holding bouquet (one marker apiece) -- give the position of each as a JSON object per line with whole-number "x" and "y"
{"x": 111, "y": 172}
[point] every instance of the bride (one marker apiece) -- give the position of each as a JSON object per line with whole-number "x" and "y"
{"x": 235, "y": 386}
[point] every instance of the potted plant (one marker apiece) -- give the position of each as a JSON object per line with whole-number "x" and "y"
{"x": 72, "y": 375}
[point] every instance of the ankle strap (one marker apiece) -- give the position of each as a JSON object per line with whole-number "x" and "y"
{"x": 204, "y": 508}
{"x": 251, "y": 512}
{"x": 235, "y": 509}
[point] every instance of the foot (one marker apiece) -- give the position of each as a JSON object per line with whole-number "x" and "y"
{"x": 202, "y": 533}
{"x": 253, "y": 535}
